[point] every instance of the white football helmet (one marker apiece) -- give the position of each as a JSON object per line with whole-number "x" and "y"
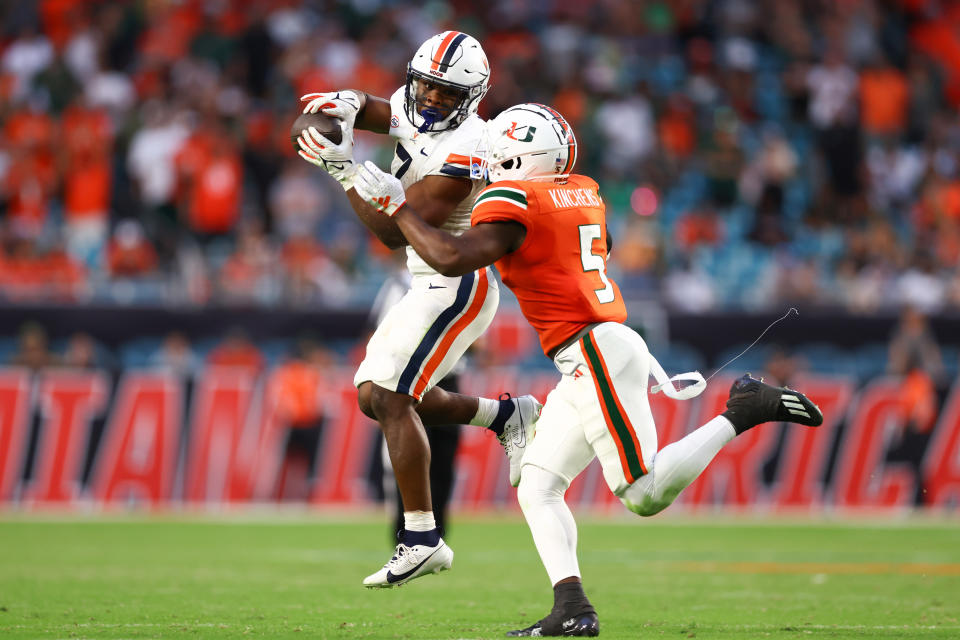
{"x": 456, "y": 61}
{"x": 529, "y": 142}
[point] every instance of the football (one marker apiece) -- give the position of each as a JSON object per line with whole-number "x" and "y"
{"x": 327, "y": 125}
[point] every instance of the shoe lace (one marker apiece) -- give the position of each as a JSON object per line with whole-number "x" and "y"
{"x": 398, "y": 555}
{"x": 508, "y": 439}
{"x": 402, "y": 554}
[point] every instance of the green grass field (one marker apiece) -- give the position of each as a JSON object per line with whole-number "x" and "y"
{"x": 279, "y": 576}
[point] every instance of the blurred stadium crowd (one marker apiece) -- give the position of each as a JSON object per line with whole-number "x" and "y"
{"x": 751, "y": 153}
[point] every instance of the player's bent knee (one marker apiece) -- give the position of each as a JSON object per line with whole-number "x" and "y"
{"x": 644, "y": 499}
{"x": 364, "y": 401}
{"x": 644, "y": 507}
{"x": 539, "y": 486}
{"x": 526, "y": 493}
{"x": 386, "y": 405}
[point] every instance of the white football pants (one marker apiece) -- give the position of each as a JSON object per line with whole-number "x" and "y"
{"x": 600, "y": 409}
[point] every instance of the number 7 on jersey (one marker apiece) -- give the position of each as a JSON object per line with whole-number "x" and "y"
{"x": 593, "y": 262}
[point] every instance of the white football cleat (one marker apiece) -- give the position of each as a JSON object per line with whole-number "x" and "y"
{"x": 411, "y": 562}
{"x": 518, "y": 431}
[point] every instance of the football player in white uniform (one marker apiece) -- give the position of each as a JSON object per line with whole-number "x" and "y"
{"x": 434, "y": 120}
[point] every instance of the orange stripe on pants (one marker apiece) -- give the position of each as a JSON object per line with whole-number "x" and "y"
{"x": 479, "y": 296}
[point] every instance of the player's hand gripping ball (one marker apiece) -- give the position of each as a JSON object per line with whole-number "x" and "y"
{"x": 327, "y": 139}
{"x": 339, "y": 104}
{"x": 328, "y": 126}
{"x": 329, "y": 112}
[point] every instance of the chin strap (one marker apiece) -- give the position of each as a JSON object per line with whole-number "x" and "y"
{"x": 694, "y": 382}
{"x": 429, "y": 115}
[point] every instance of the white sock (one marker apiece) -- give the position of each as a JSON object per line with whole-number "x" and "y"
{"x": 419, "y": 521}
{"x": 486, "y": 411}
{"x": 551, "y": 523}
{"x": 676, "y": 466}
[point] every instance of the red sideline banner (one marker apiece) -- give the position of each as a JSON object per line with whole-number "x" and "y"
{"x": 145, "y": 438}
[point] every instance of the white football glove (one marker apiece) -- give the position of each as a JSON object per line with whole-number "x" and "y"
{"x": 340, "y": 104}
{"x": 335, "y": 159}
{"x": 380, "y": 189}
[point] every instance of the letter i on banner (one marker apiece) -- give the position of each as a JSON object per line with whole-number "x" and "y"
{"x": 69, "y": 401}
{"x": 219, "y": 465}
{"x": 14, "y": 414}
{"x": 348, "y": 437}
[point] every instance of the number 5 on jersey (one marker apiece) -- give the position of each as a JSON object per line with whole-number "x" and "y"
{"x": 593, "y": 262}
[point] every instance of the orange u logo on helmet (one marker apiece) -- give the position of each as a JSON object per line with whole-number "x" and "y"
{"x": 526, "y": 138}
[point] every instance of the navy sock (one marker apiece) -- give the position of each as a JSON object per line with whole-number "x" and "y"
{"x": 505, "y": 411}
{"x": 428, "y": 538}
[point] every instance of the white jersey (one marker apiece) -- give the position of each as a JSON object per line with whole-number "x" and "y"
{"x": 441, "y": 153}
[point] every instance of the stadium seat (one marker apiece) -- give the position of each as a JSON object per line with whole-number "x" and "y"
{"x": 8, "y": 348}
{"x": 950, "y": 354}
{"x": 753, "y": 360}
{"x": 275, "y": 350}
{"x": 823, "y": 357}
{"x": 678, "y": 357}
{"x": 138, "y": 353}
{"x": 871, "y": 360}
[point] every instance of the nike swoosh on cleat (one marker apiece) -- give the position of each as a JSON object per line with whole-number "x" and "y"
{"x": 436, "y": 286}
{"x": 521, "y": 436}
{"x": 424, "y": 152}
{"x": 391, "y": 577}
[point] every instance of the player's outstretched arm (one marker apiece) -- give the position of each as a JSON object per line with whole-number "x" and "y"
{"x": 478, "y": 247}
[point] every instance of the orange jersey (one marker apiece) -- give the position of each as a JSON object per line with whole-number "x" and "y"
{"x": 559, "y": 272}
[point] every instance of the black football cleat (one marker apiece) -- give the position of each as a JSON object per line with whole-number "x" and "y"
{"x": 753, "y": 402}
{"x": 585, "y": 625}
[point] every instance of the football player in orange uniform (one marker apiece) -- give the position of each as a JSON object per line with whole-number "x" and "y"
{"x": 544, "y": 228}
